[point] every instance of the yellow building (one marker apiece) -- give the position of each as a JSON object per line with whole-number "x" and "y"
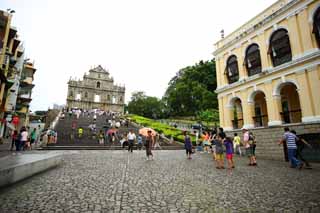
{"x": 268, "y": 70}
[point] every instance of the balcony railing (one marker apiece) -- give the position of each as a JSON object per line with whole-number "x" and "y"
{"x": 293, "y": 116}
{"x": 260, "y": 121}
{"x": 237, "y": 123}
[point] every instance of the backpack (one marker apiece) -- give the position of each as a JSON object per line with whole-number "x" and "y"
{"x": 252, "y": 138}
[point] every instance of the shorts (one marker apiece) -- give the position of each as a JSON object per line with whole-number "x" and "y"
{"x": 189, "y": 151}
{"x": 249, "y": 151}
{"x": 229, "y": 156}
{"x": 219, "y": 156}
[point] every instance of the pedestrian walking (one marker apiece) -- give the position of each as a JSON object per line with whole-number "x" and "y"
{"x": 131, "y": 139}
{"x": 139, "y": 144}
{"x": 149, "y": 144}
{"x": 14, "y": 137}
{"x": 248, "y": 144}
{"x": 24, "y": 138}
{"x": 301, "y": 144}
{"x": 187, "y": 145}
{"x": 219, "y": 151}
{"x": 291, "y": 139}
{"x": 237, "y": 143}
{"x": 229, "y": 152}
{"x": 33, "y": 137}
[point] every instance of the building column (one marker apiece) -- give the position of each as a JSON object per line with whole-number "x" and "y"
{"x": 294, "y": 36}
{"x": 265, "y": 57}
{"x": 248, "y": 111}
{"x": 308, "y": 100}
{"x": 274, "y": 108}
{"x": 242, "y": 69}
{"x": 305, "y": 30}
{"x": 221, "y": 111}
{"x": 228, "y": 114}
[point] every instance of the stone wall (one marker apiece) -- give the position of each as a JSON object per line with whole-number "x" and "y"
{"x": 268, "y": 138}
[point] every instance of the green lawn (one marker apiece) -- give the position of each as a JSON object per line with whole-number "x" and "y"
{"x": 167, "y": 130}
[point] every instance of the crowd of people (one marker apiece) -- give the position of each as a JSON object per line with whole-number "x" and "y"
{"x": 223, "y": 147}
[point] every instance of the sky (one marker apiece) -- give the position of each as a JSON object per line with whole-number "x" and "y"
{"x": 143, "y": 43}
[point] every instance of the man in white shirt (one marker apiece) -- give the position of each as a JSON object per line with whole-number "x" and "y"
{"x": 131, "y": 138}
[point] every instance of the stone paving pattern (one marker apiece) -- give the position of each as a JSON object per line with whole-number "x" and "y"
{"x": 118, "y": 181}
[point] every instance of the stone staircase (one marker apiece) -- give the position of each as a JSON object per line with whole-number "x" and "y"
{"x": 68, "y": 138}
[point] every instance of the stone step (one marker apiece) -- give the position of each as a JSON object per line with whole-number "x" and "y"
{"x": 101, "y": 147}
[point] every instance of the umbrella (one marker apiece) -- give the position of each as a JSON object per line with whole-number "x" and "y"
{"x": 144, "y": 131}
{"x": 110, "y": 131}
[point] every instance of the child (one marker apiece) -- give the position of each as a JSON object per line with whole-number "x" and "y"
{"x": 229, "y": 151}
{"x": 219, "y": 151}
{"x": 187, "y": 145}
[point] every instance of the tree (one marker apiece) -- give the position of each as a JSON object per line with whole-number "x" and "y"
{"x": 147, "y": 106}
{"x": 191, "y": 90}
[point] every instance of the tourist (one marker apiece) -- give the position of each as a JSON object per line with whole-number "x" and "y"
{"x": 149, "y": 144}
{"x": 94, "y": 117}
{"x": 219, "y": 151}
{"x": 229, "y": 152}
{"x": 222, "y": 132}
{"x": 291, "y": 139}
{"x": 14, "y": 138}
{"x": 124, "y": 140}
{"x": 24, "y": 138}
{"x": 254, "y": 144}
{"x": 248, "y": 142}
{"x": 80, "y": 132}
{"x": 214, "y": 150}
{"x": 131, "y": 139}
{"x": 237, "y": 143}
{"x": 101, "y": 137}
{"x": 207, "y": 143}
{"x": 139, "y": 139}
{"x": 33, "y": 137}
{"x": 301, "y": 143}
{"x": 187, "y": 145}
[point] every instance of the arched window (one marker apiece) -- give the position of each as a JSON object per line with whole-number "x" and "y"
{"x": 280, "y": 49}
{"x": 316, "y": 26}
{"x": 71, "y": 93}
{"x": 108, "y": 98}
{"x": 121, "y": 99}
{"x": 253, "y": 60}
{"x": 232, "y": 70}
{"x": 86, "y": 94}
{"x": 98, "y": 84}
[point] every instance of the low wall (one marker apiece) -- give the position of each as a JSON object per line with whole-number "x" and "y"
{"x": 268, "y": 138}
{"x": 17, "y": 168}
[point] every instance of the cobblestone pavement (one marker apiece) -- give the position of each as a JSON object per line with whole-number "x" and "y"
{"x": 117, "y": 181}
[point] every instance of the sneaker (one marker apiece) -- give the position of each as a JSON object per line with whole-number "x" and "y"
{"x": 300, "y": 166}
